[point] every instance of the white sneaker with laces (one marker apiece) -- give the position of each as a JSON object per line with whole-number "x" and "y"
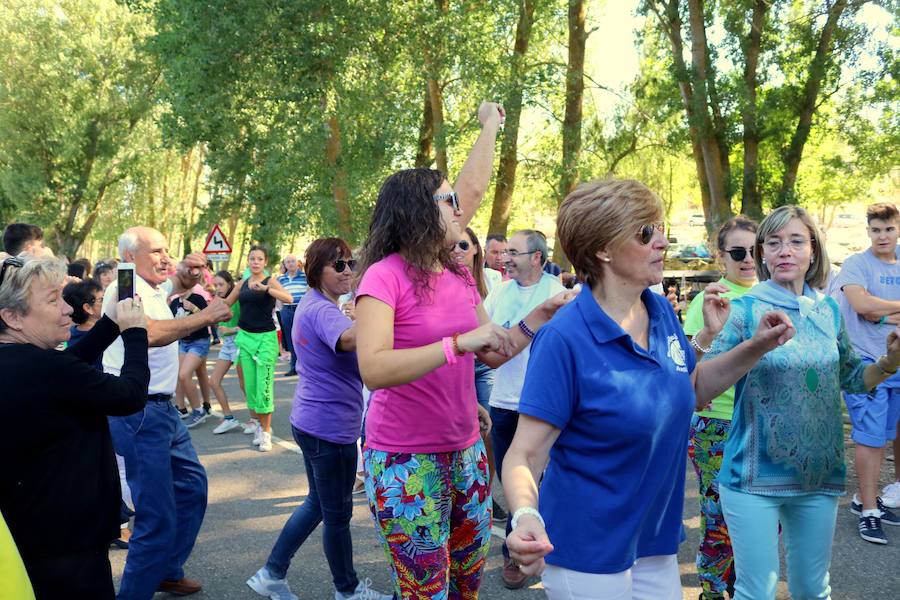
{"x": 250, "y": 426}
{"x": 264, "y": 584}
{"x": 265, "y": 441}
{"x": 363, "y": 592}
{"x": 257, "y": 436}
{"x": 890, "y": 495}
{"x": 226, "y": 425}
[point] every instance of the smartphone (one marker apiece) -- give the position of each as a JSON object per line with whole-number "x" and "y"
{"x": 125, "y": 279}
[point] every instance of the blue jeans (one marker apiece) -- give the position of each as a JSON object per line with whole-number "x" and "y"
{"x": 807, "y": 530}
{"x": 503, "y": 429}
{"x": 484, "y": 383}
{"x": 287, "y": 328}
{"x": 331, "y": 471}
{"x": 168, "y": 485}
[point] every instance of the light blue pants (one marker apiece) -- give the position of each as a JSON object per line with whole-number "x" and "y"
{"x": 807, "y": 529}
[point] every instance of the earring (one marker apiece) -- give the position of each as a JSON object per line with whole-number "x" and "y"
{"x": 763, "y": 261}
{"x": 606, "y": 259}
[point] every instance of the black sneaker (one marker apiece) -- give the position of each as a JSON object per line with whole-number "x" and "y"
{"x": 888, "y": 517}
{"x": 871, "y": 531}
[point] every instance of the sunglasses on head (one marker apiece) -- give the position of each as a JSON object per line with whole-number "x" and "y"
{"x": 340, "y": 265}
{"x": 739, "y": 254}
{"x": 451, "y": 196}
{"x": 12, "y": 261}
{"x": 463, "y": 245}
{"x": 646, "y": 232}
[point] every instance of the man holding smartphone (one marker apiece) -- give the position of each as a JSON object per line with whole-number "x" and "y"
{"x": 162, "y": 467}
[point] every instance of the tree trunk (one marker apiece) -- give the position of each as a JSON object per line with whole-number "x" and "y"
{"x": 720, "y": 208}
{"x": 571, "y": 134}
{"x": 195, "y": 192}
{"x": 670, "y": 20}
{"x": 426, "y": 134}
{"x": 807, "y": 107}
{"x": 436, "y": 97}
{"x": 751, "y": 200}
{"x": 339, "y": 179}
{"x": 509, "y": 160}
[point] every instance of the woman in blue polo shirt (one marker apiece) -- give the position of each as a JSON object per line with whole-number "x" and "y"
{"x": 611, "y": 408}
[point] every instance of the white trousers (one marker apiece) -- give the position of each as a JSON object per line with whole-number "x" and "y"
{"x": 649, "y": 578}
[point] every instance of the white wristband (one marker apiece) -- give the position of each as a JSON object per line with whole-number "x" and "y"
{"x": 526, "y": 510}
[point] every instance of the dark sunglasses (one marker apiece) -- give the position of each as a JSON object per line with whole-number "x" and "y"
{"x": 12, "y": 261}
{"x": 646, "y": 232}
{"x": 340, "y": 265}
{"x": 739, "y": 254}
{"x": 463, "y": 245}
{"x": 451, "y": 196}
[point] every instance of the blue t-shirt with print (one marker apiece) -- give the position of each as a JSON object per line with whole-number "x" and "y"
{"x": 614, "y": 488}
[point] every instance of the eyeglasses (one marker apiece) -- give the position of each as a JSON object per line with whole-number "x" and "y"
{"x": 515, "y": 253}
{"x": 739, "y": 254}
{"x": 12, "y": 261}
{"x": 340, "y": 265}
{"x": 451, "y": 196}
{"x": 463, "y": 245}
{"x": 776, "y": 245}
{"x": 645, "y": 233}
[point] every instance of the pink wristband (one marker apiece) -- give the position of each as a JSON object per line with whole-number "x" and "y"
{"x": 447, "y": 342}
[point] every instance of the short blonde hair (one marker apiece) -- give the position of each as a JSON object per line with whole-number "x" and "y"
{"x": 600, "y": 215}
{"x": 15, "y": 291}
{"x": 775, "y": 221}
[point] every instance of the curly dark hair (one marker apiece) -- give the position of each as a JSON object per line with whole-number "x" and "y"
{"x": 407, "y": 220}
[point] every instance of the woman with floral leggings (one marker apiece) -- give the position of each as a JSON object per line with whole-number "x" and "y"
{"x": 419, "y": 325}
{"x": 709, "y": 428}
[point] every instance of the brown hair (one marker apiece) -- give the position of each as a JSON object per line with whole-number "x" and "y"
{"x": 478, "y": 264}
{"x": 603, "y": 214}
{"x": 883, "y": 211}
{"x": 817, "y": 274}
{"x": 320, "y": 254}
{"x": 737, "y": 222}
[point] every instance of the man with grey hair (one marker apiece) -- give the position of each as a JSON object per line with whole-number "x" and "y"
{"x": 507, "y": 304}
{"x": 167, "y": 481}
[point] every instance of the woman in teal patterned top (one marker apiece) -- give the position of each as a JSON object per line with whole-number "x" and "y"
{"x": 784, "y": 458}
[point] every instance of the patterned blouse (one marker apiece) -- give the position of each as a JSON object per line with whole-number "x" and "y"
{"x": 787, "y": 436}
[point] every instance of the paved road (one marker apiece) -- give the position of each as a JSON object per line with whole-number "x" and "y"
{"x": 251, "y": 495}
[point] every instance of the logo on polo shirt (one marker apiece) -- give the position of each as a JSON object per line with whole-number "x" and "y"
{"x": 676, "y": 353}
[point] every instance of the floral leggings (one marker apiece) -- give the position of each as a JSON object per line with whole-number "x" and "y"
{"x": 715, "y": 559}
{"x": 433, "y": 515}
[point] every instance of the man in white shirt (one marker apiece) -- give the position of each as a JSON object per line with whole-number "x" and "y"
{"x": 167, "y": 481}
{"x": 507, "y": 304}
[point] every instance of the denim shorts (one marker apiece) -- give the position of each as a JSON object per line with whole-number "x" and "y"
{"x": 229, "y": 350}
{"x": 198, "y": 347}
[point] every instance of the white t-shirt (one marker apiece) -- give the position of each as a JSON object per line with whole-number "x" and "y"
{"x": 163, "y": 361}
{"x": 492, "y": 278}
{"x": 510, "y": 376}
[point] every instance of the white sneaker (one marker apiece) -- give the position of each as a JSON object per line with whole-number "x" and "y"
{"x": 264, "y": 584}
{"x": 890, "y": 495}
{"x": 250, "y": 426}
{"x": 226, "y": 426}
{"x": 265, "y": 441}
{"x": 257, "y": 436}
{"x": 363, "y": 592}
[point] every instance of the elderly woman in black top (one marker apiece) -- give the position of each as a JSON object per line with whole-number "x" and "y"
{"x": 65, "y": 468}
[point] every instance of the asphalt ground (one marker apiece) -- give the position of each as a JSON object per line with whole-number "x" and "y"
{"x": 252, "y": 494}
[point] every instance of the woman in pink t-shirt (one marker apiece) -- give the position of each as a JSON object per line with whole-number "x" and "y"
{"x": 420, "y": 324}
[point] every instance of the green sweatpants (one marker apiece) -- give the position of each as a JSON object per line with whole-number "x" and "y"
{"x": 259, "y": 353}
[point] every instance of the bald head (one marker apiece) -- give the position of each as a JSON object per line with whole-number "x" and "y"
{"x": 148, "y": 250}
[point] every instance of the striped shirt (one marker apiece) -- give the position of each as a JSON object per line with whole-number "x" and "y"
{"x": 296, "y": 285}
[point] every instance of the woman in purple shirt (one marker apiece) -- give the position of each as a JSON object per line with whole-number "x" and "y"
{"x": 325, "y": 420}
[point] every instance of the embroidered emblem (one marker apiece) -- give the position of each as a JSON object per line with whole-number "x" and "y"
{"x": 676, "y": 353}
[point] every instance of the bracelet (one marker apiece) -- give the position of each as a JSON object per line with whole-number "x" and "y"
{"x": 882, "y": 369}
{"x": 528, "y": 331}
{"x": 455, "y": 340}
{"x": 526, "y": 510}
{"x": 882, "y": 320}
{"x": 447, "y": 343}
{"x": 697, "y": 345}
